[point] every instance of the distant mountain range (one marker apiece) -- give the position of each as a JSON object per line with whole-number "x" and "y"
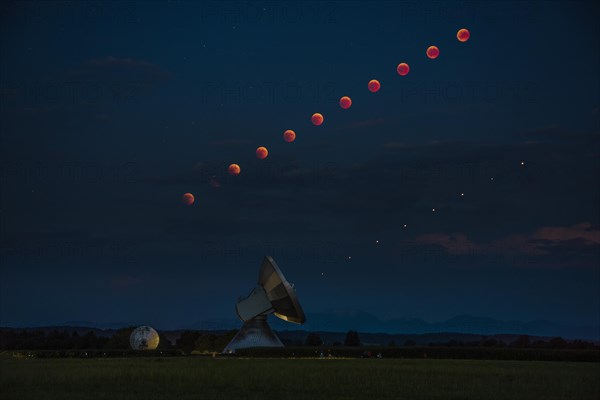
{"x": 342, "y": 321}
{"x": 361, "y": 321}
{"x": 364, "y": 322}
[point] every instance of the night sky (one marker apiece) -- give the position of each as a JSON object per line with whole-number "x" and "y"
{"x": 110, "y": 112}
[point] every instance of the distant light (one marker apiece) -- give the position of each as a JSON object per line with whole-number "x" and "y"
{"x": 522, "y": 162}
{"x": 405, "y": 225}
{"x": 377, "y": 241}
{"x": 462, "y": 195}
{"x": 491, "y": 179}
{"x": 433, "y": 209}
{"x": 349, "y": 258}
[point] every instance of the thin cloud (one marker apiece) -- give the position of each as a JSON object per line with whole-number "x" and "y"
{"x": 455, "y": 243}
{"x": 582, "y": 231}
{"x": 542, "y": 242}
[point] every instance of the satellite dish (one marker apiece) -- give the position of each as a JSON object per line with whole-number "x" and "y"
{"x": 272, "y": 295}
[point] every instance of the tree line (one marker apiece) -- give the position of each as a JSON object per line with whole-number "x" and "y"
{"x": 523, "y": 341}
{"x": 63, "y": 339}
{"x": 189, "y": 341}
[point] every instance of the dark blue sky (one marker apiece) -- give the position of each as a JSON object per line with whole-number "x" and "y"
{"x": 111, "y": 111}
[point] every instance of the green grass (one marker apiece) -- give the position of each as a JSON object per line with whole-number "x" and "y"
{"x": 231, "y": 379}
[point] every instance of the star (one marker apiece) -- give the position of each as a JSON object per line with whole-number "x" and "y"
{"x": 377, "y": 242}
{"x": 462, "y": 195}
{"x": 522, "y": 162}
{"x": 405, "y": 225}
{"x": 433, "y": 209}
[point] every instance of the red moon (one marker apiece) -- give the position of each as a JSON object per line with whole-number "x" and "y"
{"x": 345, "y": 102}
{"x": 463, "y": 35}
{"x": 316, "y": 119}
{"x": 289, "y": 136}
{"x": 374, "y": 85}
{"x": 402, "y": 69}
{"x": 433, "y": 52}
{"x": 262, "y": 153}
{"x": 188, "y": 199}
{"x": 234, "y": 169}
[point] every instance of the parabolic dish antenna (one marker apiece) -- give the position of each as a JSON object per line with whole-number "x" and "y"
{"x": 272, "y": 295}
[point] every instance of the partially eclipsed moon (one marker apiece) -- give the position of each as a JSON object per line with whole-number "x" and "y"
{"x": 433, "y": 52}
{"x": 402, "y": 69}
{"x": 374, "y": 85}
{"x": 345, "y": 102}
{"x": 262, "y": 152}
{"x": 463, "y": 35}
{"x": 289, "y": 136}
{"x": 188, "y": 199}
{"x": 317, "y": 119}
{"x": 234, "y": 169}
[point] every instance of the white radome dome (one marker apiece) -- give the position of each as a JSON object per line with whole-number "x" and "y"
{"x": 144, "y": 338}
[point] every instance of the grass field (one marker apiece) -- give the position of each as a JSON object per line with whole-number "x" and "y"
{"x": 310, "y": 379}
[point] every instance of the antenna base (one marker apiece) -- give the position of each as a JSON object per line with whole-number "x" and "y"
{"x": 255, "y": 332}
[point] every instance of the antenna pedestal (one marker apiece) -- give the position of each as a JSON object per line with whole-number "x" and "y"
{"x": 255, "y": 332}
